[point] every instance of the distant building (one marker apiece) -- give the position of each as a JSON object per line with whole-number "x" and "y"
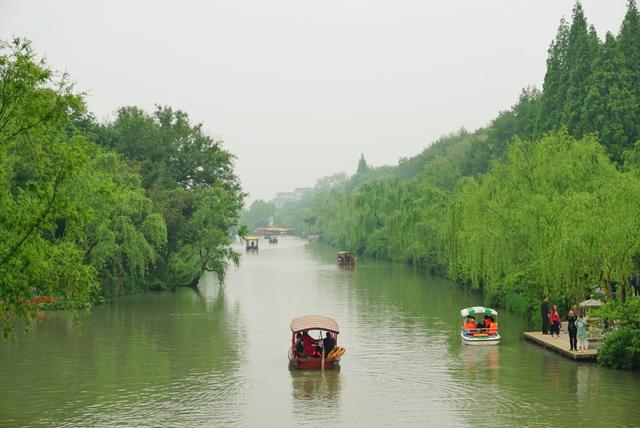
{"x": 300, "y": 192}
{"x": 283, "y": 198}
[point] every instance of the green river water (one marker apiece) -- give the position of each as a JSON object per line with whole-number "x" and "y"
{"x": 219, "y": 357}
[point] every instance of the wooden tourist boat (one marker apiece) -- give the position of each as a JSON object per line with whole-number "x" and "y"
{"x": 323, "y": 325}
{"x": 251, "y": 243}
{"x": 472, "y": 335}
{"x": 346, "y": 258}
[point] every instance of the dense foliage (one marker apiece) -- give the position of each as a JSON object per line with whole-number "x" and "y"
{"x": 621, "y": 350}
{"x": 90, "y": 210}
{"x": 190, "y": 179}
{"x": 259, "y": 214}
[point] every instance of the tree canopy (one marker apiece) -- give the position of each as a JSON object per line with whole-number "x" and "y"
{"x": 92, "y": 210}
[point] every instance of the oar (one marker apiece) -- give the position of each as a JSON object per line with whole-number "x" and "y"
{"x": 321, "y": 352}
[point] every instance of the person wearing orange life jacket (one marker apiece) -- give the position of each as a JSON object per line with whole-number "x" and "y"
{"x": 487, "y": 323}
{"x": 493, "y": 326}
{"x": 469, "y": 326}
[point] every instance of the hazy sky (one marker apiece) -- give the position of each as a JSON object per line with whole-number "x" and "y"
{"x": 296, "y": 88}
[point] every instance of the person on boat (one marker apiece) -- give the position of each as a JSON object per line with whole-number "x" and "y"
{"x": 308, "y": 343}
{"x": 493, "y": 326}
{"x": 299, "y": 345}
{"x": 544, "y": 313}
{"x": 469, "y": 326}
{"x": 328, "y": 343}
{"x": 487, "y": 323}
{"x": 554, "y": 320}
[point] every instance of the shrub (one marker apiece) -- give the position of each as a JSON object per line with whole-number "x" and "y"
{"x": 621, "y": 349}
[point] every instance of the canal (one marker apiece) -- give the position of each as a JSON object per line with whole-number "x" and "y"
{"x": 219, "y": 357}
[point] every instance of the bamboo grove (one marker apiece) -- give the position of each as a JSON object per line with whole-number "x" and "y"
{"x": 543, "y": 201}
{"x": 91, "y": 210}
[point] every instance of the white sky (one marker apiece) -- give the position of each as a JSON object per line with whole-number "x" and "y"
{"x": 297, "y": 88}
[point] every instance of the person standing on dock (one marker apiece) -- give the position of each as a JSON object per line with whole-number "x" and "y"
{"x": 573, "y": 330}
{"x": 554, "y": 319}
{"x": 544, "y": 314}
{"x": 581, "y": 325}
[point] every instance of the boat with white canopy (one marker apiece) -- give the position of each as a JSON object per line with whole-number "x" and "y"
{"x": 479, "y": 326}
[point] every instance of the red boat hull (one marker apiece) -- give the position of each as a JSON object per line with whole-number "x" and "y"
{"x": 312, "y": 363}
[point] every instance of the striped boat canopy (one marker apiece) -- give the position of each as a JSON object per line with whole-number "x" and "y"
{"x": 478, "y": 310}
{"x": 314, "y": 322}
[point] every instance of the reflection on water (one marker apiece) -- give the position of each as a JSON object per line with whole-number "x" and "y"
{"x": 483, "y": 359}
{"x": 137, "y": 359}
{"x": 218, "y": 357}
{"x": 316, "y": 395}
{"x": 310, "y": 388}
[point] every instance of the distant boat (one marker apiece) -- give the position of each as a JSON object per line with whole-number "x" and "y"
{"x": 310, "y": 323}
{"x": 251, "y": 243}
{"x": 471, "y": 334}
{"x": 346, "y": 258}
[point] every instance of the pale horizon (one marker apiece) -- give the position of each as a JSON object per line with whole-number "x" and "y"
{"x": 298, "y": 90}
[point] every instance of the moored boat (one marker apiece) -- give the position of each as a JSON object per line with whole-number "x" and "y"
{"x": 479, "y": 332}
{"x": 317, "y": 354}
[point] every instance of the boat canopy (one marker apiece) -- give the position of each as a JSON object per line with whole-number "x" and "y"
{"x": 475, "y": 310}
{"x": 314, "y": 322}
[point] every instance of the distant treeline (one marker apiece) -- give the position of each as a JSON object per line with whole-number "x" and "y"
{"x": 543, "y": 201}
{"x": 97, "y": 209}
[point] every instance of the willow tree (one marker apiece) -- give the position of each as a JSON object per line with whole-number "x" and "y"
{"x": 556, "y": 216}
{"x": 39, "y": 162}
{"x": 73, "y": 216}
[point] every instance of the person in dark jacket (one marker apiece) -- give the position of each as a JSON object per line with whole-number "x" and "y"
{"x": 544, "y": 313}
{"x": 573, "y": 330}
{"x": 329, "y": 343}
{"x": 635, "y": 283}
{"x": 299, "y": 345}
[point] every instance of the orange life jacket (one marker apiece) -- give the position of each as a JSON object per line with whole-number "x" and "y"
{"x": 493, "y": 327}
{"x": 469, "y": 325}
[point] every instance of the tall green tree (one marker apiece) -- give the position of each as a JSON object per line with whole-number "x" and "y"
{"x": 628, "y": 43}
{"x": 39, "y": 163}
{"x": 611, "y": 107}
{"x": 189, "y": 177}
{"x": 259, "y": 214}
{"x": 580, "y": 54}
{"x": 555, "y": 82}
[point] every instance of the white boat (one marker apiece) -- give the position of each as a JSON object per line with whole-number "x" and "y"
{"x": 473, "y": 335}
